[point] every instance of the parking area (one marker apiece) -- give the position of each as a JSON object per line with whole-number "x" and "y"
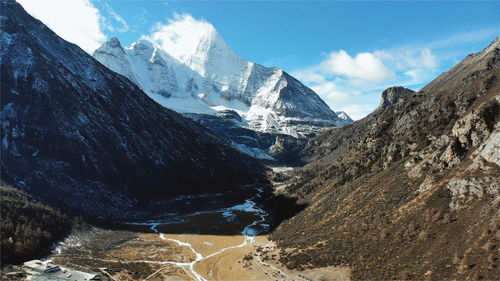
{"x": 44, "y": 270}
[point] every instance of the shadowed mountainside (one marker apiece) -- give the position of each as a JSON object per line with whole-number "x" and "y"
{"x": 80, "y": 136}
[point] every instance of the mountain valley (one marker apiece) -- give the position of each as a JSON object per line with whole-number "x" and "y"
{"x": 160, "y": 162}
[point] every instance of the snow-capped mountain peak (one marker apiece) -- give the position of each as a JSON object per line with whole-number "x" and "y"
{"x": 114, "y": 42}
{"x": 197, "y": 44}
{"x": 187, "y": 66}
{"x": 142, "y": 45}
{"x": 70, "y": 125}
{"x": 343, "y": 115}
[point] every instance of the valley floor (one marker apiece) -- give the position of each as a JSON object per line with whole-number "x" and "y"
{"x": 223, "y": 244}
{"x": 176, "y": 257}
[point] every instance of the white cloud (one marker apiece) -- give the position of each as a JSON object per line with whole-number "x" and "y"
{"x": 180, "y": 36}
{"x": 413, "y": 66}
{"x": 330, "y": 92}
{"x": 365, "y": 67}
{"x": 353, "y": 83}
{"x": 309, "y": 76}
{"x": 76, "y": 21}
{"x": 408, "y": 58}
{"x": 426, "y": 59}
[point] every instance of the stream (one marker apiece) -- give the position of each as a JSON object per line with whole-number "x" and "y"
{"x": 230, "y": 215}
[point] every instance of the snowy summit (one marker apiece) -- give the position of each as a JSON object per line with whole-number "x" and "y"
{"x": 191, "y": 69}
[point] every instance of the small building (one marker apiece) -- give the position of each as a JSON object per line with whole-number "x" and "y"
{"x": 44, "y": 270}
{"x": 52, "y": 269}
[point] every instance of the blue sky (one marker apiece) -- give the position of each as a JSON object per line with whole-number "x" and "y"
{"x": 347, "y": 51}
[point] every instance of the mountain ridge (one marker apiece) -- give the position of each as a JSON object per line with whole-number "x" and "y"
{"x": 411, "y": 190}
{"x": 274, "y": 113}
{"x": 269, "y": 99}
{"x": 76, "y": 134}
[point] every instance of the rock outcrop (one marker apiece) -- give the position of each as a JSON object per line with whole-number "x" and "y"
{"x": 392, "y": 95}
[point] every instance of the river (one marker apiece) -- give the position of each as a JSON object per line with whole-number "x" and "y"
{"x": 230, "y": 216}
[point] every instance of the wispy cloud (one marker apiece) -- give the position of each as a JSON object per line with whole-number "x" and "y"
{"x": 331, "y": 92}
{"x": 124, "y": 27}
{"x": 464, "y": 37}
{"x": 180, "y": 35}
{"x": 413, "y": 66}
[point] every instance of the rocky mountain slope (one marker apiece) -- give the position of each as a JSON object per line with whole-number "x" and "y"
{"x": 205, "y": 78}
{"x": 79, "y": 135}
{"x": 411, "y": 191}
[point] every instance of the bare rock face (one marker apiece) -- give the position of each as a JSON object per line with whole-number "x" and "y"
{"x": 465, "y": 191}
{"x": 392, "y": 95}
{"x": 490, "y": 150}
{"x": 400, "y": 185}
